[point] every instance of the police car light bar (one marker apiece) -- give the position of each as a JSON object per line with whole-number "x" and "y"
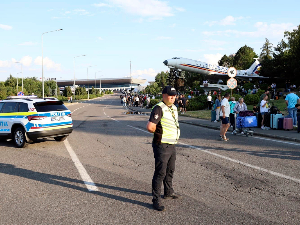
{"x": 22, "y": 97}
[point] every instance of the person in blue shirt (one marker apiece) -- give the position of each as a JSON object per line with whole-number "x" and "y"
{"x": 291, "y": 100}
{"x": 218, "y": 107}
{"x": 232, "y": 103}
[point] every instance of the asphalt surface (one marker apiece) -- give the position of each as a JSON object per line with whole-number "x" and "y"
{"x": 247, "y": 180}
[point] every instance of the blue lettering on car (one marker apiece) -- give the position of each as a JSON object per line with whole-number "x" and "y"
{"x": 3, "y": 124}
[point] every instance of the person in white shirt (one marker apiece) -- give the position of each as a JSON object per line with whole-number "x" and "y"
{"x": 263, "y": 110}
{"x": 209, "y": 98}
{"x": 224, "y": 115}
{"x": 124, "y": 101}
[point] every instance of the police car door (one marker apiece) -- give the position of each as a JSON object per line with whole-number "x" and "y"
{"x": 7, "y": 116}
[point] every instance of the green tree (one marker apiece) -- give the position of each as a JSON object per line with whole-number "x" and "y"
{"x": 32, "y": 85}
{"x": 67, "y": 91}
{"x": 226, "y": 61}
{"x": 161, "y": 78}
{"x": 281, "y": 60}
{"x": 11, "y": 81}
{"x": 191, "y": 77}
{"x": 293, "y": 39}
{"x": 92, "y": 91}
{"x": 153, "y": 89}
{"x": 243, "y": 59}
{"x": 266, "y": 50}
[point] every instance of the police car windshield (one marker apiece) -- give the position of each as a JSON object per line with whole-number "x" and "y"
{"x": 49, "y": 106}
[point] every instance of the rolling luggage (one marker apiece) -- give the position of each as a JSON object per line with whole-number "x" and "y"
{"x": 274, "y": 120}
{"x": 288, "y": 124}
{"x": 213, "y": 115}
{"x": 280, "y": 123}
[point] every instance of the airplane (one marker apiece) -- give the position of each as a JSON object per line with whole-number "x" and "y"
{"x": 184, "y": 64}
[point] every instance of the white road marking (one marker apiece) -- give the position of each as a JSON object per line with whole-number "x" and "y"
{"x": 244, "y": 164}
{"x": 233, "y": 160}
{"x": 284, "y": 142}
{"x": 115, "y": 119}
{"x": 82, "y": 171}
{"x": 261, "y": 138}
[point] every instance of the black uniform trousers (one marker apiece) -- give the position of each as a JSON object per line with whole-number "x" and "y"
{"x": 165, "y": 156}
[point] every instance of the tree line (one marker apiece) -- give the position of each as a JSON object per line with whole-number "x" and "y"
{"x": 32, "y": 86}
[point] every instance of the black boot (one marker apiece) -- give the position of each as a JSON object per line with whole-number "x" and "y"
{"x": 158, "y": 206}
{"x": 173, "y": 196}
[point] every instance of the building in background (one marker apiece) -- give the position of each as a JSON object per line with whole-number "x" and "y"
{"x": 115, "y": 84}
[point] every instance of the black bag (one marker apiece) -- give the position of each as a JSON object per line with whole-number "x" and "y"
{"x": 273, "y": 110}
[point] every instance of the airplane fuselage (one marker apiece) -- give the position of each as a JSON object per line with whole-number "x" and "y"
{"x": 208, "y": 69}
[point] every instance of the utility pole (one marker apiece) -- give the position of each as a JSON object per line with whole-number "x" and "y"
{"x": 130, "y": 76}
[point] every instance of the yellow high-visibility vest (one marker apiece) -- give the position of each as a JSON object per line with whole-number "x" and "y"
{"x": 169, "y": 123}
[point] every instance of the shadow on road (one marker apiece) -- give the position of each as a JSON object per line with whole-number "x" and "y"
{"x": 59, "y": 180}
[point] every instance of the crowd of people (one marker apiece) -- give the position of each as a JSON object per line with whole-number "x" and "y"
{"x": 143, "y": 100}
{"x": 135, "y": 100}
{"x": 226, "y": 110}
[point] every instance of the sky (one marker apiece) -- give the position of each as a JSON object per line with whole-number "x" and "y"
{"x": 113, "y": 33}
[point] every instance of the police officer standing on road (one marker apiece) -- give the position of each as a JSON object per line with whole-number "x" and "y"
{"x": 163, "y": 122}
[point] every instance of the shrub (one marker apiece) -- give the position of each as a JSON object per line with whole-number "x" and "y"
{"x": 248, "y": 86}
{"x": 62, "y": 98}
{"x": 236, "y": 96}
{"x": 108, "y": 92}
{"x": 197, "y": 103}
{"x": 251, "y": 99}
{"x": 260, "y": 92}
{"x": 153, "y": 102}
{"x": 263, "y": 87}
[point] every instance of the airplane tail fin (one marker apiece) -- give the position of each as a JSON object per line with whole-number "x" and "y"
{"x": 254, "y": 68}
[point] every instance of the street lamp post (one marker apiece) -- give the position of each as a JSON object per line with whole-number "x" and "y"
{"x": 43, "y": 85}
{"x": 95, "y": 77}
{"x": 74, "y": 74}
{"x": 56, "y": 86}
{"x": 18, "y": 83}
{"x": 87, "y": 72}
{"x": 22, "y": 74}
{"x": 100, "y": 85}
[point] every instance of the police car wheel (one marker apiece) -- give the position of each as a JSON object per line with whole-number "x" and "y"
{"x": 60, "y": 138}
{"x": 19, "y": 137}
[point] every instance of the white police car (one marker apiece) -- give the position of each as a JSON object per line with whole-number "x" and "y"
{"x": 27, "y": 118}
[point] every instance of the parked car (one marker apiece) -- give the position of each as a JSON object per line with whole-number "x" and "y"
{"x": 25, "y": 119}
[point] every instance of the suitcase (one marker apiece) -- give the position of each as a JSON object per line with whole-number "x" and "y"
{"x": 288, "y": 124}
{"x": 274, "y": 120}
{"x": 248, "y": 121}
{"x": 213, "y": 115}
{"x": 280, "y": 123}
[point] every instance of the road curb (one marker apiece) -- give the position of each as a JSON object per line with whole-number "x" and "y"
{"x": 217, "y": 128}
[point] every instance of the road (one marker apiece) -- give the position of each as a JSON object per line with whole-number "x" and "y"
{"x": 247, "y": 180}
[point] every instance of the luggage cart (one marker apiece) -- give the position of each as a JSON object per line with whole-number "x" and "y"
{"x": 240, "y": 127}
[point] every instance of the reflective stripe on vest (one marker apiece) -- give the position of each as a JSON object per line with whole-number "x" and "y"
{"x": 169, "y": 123}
